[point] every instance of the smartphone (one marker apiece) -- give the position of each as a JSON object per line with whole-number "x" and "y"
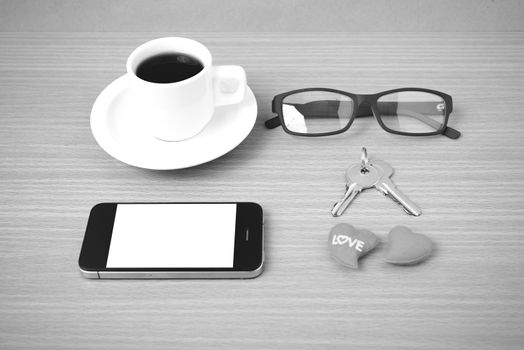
{"x": 173, "y": 240}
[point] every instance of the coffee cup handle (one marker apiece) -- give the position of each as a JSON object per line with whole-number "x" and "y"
{"x": 229, "y": 84}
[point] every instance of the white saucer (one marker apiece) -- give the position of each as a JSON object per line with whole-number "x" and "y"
{"x": 124, "y": 134}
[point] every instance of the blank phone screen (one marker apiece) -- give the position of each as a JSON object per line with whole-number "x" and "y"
{"x": 173, "y": 236}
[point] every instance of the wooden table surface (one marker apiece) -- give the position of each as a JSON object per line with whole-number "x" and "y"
{"x": 468, "y": 295}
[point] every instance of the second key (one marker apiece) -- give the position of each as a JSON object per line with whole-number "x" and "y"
{"x": 358, "y": 179}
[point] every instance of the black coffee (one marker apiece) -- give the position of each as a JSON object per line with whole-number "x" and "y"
{"x": 169, "y": 68}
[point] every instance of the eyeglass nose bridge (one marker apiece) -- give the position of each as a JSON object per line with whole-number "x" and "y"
{"x": 364, "y": 103}
{"x": 365, "y": 99}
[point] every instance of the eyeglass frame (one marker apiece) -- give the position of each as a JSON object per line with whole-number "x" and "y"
{"x": 365, "y": 105}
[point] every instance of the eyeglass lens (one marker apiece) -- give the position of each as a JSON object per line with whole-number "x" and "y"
{"x": 316, "y": 112}
{"x": 412, "y": 111}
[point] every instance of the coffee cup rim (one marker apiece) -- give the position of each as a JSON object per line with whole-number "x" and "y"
{"x": 132, "y": 59}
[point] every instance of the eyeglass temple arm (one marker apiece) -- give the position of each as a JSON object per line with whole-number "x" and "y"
{"x": 389, "y": 107}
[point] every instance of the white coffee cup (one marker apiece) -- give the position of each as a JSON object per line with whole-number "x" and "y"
{"x": 180, "y": 110}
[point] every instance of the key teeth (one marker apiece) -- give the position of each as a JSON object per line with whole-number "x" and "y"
{"x": 387, "y": 193}
{"x": 334, "y": 212}
{"x": 383, "y": 191}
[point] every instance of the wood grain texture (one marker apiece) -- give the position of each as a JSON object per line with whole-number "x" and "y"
{"x": 469, "y": 295}
{"x": 261, "y": 16}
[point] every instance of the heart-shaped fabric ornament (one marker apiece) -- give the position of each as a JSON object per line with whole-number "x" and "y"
{"x": 406, "y": 247}
{"x": 348, "y": 244}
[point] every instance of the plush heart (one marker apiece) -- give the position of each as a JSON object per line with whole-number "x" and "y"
{"x": 348, "y": 244}
{"x": 406, "y": 247}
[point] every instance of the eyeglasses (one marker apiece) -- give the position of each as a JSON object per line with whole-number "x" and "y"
{"x": 322, "y": 112}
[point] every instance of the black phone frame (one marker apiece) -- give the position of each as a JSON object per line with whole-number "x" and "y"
{"x": 248, "y": 252}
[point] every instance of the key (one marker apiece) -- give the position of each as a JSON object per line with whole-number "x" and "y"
{"x": 358, "y": 179}
{"x": 388, "y": 188}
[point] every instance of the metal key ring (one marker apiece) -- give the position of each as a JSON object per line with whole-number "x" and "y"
{"x": 364, "y": 161}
